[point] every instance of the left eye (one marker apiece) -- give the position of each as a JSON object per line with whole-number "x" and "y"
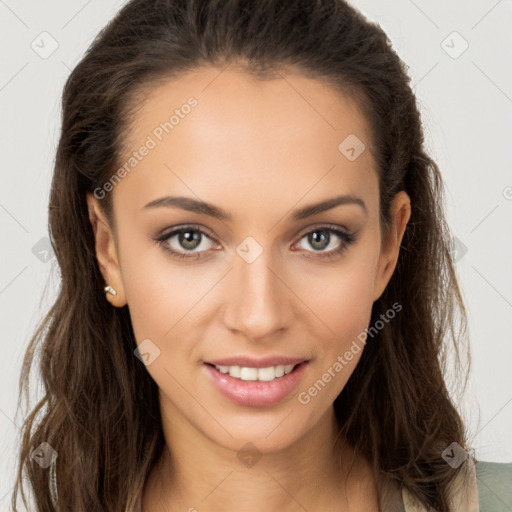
{"x": 321, "y": 238}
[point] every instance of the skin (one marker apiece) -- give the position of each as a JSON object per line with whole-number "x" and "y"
{"x": 259, "y": 150}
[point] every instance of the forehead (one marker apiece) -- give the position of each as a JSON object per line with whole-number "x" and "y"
{"x": 286, "y": 136}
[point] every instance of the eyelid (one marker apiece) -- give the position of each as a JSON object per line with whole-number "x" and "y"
{"x": 325, "y": 225}
{"x": 167, "y": 232}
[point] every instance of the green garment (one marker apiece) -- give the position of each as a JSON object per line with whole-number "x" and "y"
{"x": 494, "y": 486}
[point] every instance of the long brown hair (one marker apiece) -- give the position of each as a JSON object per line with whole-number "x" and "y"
{"x": 100, "y": 409}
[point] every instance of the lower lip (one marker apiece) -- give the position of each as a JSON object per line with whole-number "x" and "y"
{"x": 255, "y": 393}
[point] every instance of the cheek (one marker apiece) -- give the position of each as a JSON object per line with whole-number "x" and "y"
{"x": 344, "y": 297}
{"x": 157, "y": 291}
{"x": 166, "y": 298}
{"x": 348, "y": 320}
{"x": 344, "y": 307}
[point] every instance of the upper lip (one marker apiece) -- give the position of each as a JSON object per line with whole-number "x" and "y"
{"x": 251, "y": 362}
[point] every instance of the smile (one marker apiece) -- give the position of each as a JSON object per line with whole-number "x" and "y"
{"x": 248, "y": 387}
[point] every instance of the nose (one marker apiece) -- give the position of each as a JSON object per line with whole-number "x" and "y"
{"x": 258, "y": 303}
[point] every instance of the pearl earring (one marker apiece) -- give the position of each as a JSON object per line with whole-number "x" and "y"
{"x": 109, "y": 289}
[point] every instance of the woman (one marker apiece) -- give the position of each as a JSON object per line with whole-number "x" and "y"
{"x": 245, "y": 183}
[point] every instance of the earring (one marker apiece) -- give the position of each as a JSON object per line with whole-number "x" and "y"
{"x": 109, "y": 289}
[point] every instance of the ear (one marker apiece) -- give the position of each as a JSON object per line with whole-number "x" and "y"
{"x": 400, "y": 215}
{"x": 106, "y": 251}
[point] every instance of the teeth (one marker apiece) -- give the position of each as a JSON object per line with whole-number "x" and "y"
{"x": 262, "y": 374}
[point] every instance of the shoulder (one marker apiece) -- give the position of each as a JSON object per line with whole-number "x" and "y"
{"x": 494, "y": 480}
{"x": 478, "y": 487}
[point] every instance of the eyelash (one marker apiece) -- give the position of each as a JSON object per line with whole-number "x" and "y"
{"x": 347, "y": 239}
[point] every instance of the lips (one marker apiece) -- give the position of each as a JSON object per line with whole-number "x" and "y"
{"x": 255, "y": 393}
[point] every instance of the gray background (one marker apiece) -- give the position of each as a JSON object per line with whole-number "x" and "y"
{"x": 466, "y": 104}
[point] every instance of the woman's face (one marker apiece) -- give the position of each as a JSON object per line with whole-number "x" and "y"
{"x": 244, "y": 279}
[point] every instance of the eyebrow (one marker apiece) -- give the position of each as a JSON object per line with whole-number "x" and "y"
{"x": 201, "y": 207}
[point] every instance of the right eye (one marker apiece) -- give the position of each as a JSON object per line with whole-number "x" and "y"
{"x": 184, "y": 242}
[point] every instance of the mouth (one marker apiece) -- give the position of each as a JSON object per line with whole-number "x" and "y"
{"x": 255, "y": 387}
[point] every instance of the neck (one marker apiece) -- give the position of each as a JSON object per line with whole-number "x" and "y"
{"x": 310, "y": 474}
